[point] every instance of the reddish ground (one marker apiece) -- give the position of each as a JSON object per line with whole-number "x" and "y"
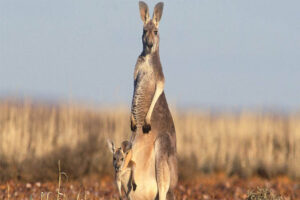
{"x": 205, "y": 187}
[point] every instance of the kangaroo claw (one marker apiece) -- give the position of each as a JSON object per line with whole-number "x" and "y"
{"x": 134, "y": 186}
{"x": 133, "y": 126}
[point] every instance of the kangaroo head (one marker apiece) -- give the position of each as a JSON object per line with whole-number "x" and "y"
{"x": 121, "y": 156}
{"x": 150, "y": 30}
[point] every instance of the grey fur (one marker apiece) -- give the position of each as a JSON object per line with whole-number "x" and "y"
{"x": 148, "y": 78}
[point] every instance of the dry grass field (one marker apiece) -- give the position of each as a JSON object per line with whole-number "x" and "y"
{"x": 33, "y": 137}
{"x": 205, "y": 187}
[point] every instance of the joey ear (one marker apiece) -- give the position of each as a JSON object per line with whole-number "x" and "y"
{"x": 144, "y": 11}
{"x": 111, "y": 146}
{"x": 158, "y": 10}
{"x": 126, "y": 146}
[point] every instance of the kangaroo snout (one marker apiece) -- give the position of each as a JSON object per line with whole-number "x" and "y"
{"x": 149, "y": 41}
{"x": 150, "y": 45}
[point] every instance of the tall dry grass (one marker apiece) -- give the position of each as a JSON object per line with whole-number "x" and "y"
{"x": 33, "y": 137}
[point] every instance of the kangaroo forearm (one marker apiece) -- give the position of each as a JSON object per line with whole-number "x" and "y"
{"x": 158, "y": 91}
{"x": 132, "y": 165}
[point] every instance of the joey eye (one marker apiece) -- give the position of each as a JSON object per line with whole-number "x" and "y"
{"x": 114, "y": 158}
{"x": 155, "y": 32}
{"x": 122, "y": 159}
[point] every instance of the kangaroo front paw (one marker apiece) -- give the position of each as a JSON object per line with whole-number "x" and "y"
{"x": 134, "y": 186}
{"x": 146, "y": 128}
{"x": 133, "y": 126}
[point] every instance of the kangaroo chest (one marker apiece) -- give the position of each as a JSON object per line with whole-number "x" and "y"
{"x": 144, "y": 89}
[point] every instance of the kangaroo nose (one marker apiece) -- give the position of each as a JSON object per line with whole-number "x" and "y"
{"x": 149, "y": 42}
{"x": 150, "y": 45}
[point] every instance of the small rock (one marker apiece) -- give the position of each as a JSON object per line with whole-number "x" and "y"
{"x": 227, "y": 184}
{"x": 28, "y": 185}
{"x": 181, "y": 188}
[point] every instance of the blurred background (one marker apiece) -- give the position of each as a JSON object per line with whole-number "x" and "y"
{"x": 232, "y": 73}
{"x": 214, "y": 54}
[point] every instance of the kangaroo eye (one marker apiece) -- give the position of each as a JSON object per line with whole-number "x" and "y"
{"x": 114, "y": 158}
{"x": 122, "y": 159}
{"x": 155, "y": 32}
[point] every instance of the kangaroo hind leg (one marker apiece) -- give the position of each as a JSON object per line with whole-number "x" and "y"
{"x": 171, "y": 195}
{"x": 162, "y": 169}
{"x": 173, "y": 177}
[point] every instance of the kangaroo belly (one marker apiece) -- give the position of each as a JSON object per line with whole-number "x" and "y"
{"x": 143, "y": 94}
{"x": 144, "y": 157}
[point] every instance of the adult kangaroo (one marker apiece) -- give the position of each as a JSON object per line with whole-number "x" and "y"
{"x": 153, "y": 132}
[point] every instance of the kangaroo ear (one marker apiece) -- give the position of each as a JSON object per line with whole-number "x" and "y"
{"x": 158, "y": 9}
{"x": 111, "y": 146}
{"x": 144, "y": 11}
{"x": 126, "y": 146}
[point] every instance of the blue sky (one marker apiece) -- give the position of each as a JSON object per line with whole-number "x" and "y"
{"x": 214, "y": 53}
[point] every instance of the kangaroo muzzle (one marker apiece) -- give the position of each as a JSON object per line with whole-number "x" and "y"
{"x": 149, "y": 42}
